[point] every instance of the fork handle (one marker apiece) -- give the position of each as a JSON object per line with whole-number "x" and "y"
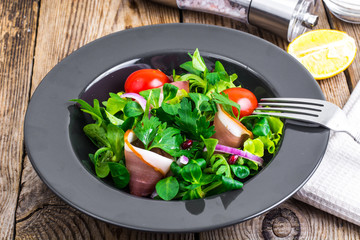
{"x": 353, "y": 136}
{"x": 340, "y": 123}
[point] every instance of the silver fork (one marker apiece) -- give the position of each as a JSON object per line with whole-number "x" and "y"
{"x": 307, "y": 110}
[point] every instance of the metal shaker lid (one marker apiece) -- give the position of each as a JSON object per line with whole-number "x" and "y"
{"x": 279, "y": 16}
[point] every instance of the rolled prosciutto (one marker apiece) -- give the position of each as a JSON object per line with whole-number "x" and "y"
{"x": 182, "y": 85}
{"x": 146, "y": 168}
{"x": 229, "y": 131}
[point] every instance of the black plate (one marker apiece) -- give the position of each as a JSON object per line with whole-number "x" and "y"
{"x": 58, "y": 149}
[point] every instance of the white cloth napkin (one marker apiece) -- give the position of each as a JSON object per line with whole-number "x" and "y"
{"x": 335, "y": 185}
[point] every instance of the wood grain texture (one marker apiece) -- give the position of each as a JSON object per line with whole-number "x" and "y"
{"x": 335, "y": 89}
{"x": 18, "y": 27}
{"x": 353, "y": 72}
{"x": 291, "y": 220}
{"x": 42, "y": 215}
{"x": 64, "y": 26}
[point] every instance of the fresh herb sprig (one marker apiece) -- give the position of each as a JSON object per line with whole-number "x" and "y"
{"x": 109, "y": 138}
{"x": 226, "y": 103}
{"x": 204, "y": 81}
{"x": 154, "y": 134}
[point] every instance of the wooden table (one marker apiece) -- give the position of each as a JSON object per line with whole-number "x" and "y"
{"x": 35, "y": 36}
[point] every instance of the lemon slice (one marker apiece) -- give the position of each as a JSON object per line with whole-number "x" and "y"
{"x": 324, "y": 52}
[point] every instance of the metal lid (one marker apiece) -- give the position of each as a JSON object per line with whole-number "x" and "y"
{"x": 277, "y": 15}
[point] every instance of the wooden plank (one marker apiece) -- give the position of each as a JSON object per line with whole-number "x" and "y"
{"x": 353, "y": 72}
{"x": 64, "y": 26}
{"x": 42, "y": 215}
{"x": 291, "y": 220}
{"x": 67, "y": 25}
{"x": 18, "y": 20}
{"x": 335, "y": 89}
{"x": 310, "y": 223}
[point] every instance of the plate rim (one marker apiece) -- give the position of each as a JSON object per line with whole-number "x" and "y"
{"x": 29, "y": 128}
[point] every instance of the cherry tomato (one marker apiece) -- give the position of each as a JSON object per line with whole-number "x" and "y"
{"x": 144, "y": 79}
{"x": 245, "y": 98}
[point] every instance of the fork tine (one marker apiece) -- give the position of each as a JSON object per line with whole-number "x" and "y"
{"x": 306, "y": 118}
{"x": 307, "y": 110}
{"x": 290, "y": 110}
{"x": 292, "y": 105}
{"x": 296, "y": 100}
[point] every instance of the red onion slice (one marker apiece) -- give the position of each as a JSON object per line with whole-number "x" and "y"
{"x": 240, "y": 153}
{"x": 136, "y": 97}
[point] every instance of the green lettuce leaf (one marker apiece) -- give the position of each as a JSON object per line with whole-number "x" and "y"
{"x": 169, "y": 140}
{"x": 146, "y": 130}
{"x": 198, "y": 62}
{"x": 254, "y": 146}
{"x": 269, "y": 144}
{"x": 152, "y": 96}
{"x": 115, "y": 103}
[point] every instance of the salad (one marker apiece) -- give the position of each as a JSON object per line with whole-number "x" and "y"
{"x": 185, "y": 136}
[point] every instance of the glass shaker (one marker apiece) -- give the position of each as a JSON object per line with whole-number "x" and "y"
{"x": 286, "y": 18}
